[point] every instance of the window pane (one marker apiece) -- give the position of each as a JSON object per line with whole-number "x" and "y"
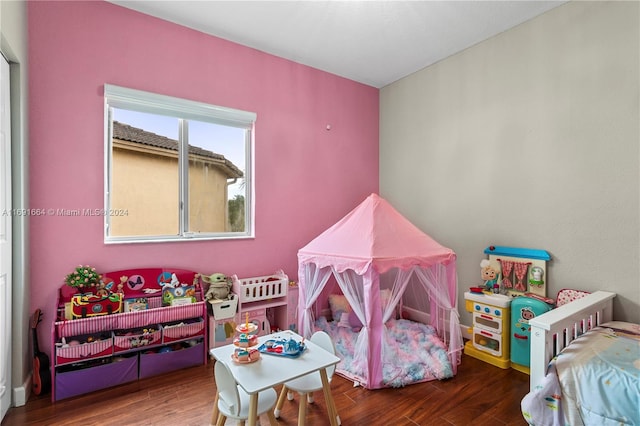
{"x": 216, "y": 177}
{"x": 144, "y": 175}
{"x": 176, "y": 168}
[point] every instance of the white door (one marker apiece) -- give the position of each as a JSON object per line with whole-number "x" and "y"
{"x": 5, "y": 240}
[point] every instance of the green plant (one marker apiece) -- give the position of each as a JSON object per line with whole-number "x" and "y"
{"x": 83, "y": 276}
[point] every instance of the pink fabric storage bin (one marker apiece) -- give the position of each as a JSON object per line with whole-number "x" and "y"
{"x": 137, "y": 339}
{"x": 84, "y": 351}
{"x": 183, "y": 331}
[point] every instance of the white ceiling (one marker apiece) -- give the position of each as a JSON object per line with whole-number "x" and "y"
{"x": 372, "y": 42}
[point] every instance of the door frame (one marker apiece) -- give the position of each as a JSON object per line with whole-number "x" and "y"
{"x": 6, "y": 242}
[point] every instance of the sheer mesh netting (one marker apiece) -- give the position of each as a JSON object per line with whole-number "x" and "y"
{"x": 388, "y": 350}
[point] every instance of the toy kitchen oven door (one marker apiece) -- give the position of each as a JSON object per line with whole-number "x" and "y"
{"x": 490, "y": 331}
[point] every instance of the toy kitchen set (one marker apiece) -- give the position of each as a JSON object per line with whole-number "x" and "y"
{"x": 513, "y": 292}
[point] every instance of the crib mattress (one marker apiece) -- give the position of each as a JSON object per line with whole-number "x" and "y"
{"x": 595, "y": 380}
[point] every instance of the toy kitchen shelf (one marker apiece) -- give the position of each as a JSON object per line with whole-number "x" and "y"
{"x": 264, "y": 301}
{"x": 104, "y": 350}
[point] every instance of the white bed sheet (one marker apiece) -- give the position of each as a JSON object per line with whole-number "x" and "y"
{"x": 593, "y": 381}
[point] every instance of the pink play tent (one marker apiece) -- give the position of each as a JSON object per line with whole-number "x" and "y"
{"x": 372, "y": 247}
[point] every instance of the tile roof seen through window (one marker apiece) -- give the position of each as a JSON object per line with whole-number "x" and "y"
{"x": 129, "y": 133}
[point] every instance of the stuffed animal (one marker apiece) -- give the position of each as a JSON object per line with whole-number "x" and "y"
{"x": 219, "y": 286}
{"x": 489, "y": 274}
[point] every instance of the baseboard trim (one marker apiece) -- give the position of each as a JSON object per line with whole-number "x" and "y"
{"x": 464, "y": 329}
{"x": 21, "y": 393}
{"x": 423, "y": 317}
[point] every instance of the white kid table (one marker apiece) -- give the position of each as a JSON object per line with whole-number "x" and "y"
{"x": 272, "y": 370}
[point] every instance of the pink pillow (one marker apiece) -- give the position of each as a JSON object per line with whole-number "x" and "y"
{"x": 339, "y": 305}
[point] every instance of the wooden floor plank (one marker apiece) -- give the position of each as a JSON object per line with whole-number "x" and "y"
{"x": 480, "y": 394}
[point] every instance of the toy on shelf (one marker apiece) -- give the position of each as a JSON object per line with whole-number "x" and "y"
{"x": 88, "y": 305}
{"x": 261, "y": 288}
{"x": 489, "y": 275}
{"x": 174, "y": 292}
{"x": 94, "y": 297}
{"x": 219, "y": 287}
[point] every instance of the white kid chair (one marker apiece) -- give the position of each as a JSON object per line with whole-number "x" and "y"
{"x": 233, "y": 401}
{"x": 310, "y": 383}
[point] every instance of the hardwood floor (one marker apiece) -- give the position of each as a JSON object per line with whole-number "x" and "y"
{"x": 480, "y": 394}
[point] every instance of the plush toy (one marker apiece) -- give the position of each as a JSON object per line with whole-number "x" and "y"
{"x": 489, "y": 275}
{"x": 219, "y": 286}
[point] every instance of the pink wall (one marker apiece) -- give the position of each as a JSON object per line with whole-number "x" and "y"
{"x": 306, "y": 177}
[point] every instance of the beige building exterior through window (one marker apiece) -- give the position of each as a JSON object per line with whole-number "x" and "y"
{"x": 145, "y": 185}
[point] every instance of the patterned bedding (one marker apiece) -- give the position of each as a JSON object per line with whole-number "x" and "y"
{"x": 594, "y": 381}
{"x": 415, "y": 353}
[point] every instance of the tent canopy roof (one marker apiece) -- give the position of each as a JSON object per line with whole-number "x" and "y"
{"x": 374, "y": 234}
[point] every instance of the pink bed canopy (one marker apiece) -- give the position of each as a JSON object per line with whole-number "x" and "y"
{"x": 374, "y": 240}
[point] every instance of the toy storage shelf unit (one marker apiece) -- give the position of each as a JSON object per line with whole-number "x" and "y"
{"x": 262, "y": 300}
{"x": 102, "y": 351}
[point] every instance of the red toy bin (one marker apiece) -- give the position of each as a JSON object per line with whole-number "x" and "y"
{"x": 125, "y": 340}
{"x": 181, "y": 330}
{"x": 82, "y": 348}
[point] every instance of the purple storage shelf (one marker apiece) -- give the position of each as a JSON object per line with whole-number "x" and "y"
{"x": 152, "y": 364}
{"x": 78, "y": 382}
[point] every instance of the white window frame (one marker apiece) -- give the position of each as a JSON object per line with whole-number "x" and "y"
{"x": 141, "y": 101}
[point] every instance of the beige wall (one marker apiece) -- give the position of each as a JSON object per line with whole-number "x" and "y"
{"x": 529, "y": 139}
{"x": 145, "y": 186}
{"x": 208, "y": 200}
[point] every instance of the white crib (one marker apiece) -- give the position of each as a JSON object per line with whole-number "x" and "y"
{"x": 554, "y": 330}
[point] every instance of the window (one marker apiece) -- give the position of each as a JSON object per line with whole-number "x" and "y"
{"x": 175, "y": 169}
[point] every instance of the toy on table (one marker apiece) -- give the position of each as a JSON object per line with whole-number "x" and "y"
{"x": 289, "y": 348}
{"x": 247, "y": 327}
{"x": 245, "y": 340}
{"x": 245, "y": 355}
{"x": 245, "y": 351}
